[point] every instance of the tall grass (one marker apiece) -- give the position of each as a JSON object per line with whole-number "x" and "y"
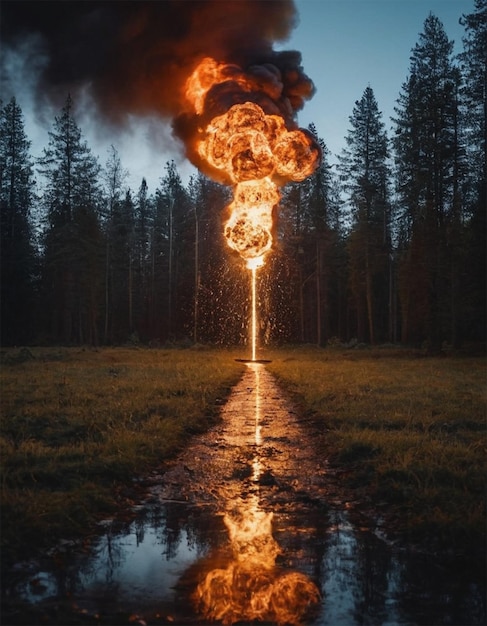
{"x": 410, "y": 431}
{"x": 78, "y": 425}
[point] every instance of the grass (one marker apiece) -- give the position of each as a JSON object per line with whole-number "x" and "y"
{"x": 79, "y": 425}
{"x": 409, "y": 431}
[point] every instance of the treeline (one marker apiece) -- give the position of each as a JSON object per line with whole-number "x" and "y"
{"x": 389, "y": 246}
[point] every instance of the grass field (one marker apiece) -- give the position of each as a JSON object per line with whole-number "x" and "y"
{"x": 79, "y": 425}
{"x": 409, "y": 430}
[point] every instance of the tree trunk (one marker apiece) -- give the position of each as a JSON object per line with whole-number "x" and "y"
{"x": 318, "y": 292}
{"x": 130, "y": 294}
{"x": 368, "y": 291}
{"x": 107, "y": 292}
{"x": 196, "y": 277}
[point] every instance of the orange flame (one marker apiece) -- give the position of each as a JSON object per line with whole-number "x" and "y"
{"x": 251, "y": 587}
{"x": 249, "y": 228}
{"x": 254, "y": 150}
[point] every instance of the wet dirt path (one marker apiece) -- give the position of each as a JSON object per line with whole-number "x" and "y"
{"x": 246, "y": 526}
{"x": 259, "y": 448}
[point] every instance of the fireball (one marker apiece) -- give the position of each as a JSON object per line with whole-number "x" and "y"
{"x": 250, "y": 147}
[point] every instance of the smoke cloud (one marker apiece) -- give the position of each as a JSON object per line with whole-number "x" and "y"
{"x": 134, "y": 57}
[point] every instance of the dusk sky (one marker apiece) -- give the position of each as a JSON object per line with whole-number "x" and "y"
{"x": 346, "y": 45}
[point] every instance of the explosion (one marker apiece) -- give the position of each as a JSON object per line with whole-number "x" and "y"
{"x": 243, "y": 133}
{"x": 247, "y": 147}
{"x": 207, "y": 66}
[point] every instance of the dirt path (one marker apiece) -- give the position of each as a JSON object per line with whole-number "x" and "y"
{"x": 257, "y": 470}
{"x": 259, "y": 448}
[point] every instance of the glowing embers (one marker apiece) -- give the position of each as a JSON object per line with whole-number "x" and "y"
{"x": 251, "y": 587}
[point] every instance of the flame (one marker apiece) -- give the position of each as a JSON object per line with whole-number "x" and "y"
{"x": 244, "y": 140}
{"x": 208, "y": 73}
{"x": 251, "y": 587}
{"x": 249, "y": 147}
{"x": 249, "y": 228}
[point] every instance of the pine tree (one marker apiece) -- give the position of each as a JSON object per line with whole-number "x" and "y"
{"x": 122, "y": 326}
{"x": 72, "y": 243}
{"x": 474, "y": 93}
{"x": 365, "y": 175}
{"x": 17, "y": 261}
{"x": 293, "y": 233}
{"x": 309, "y": 255}
{"x": 427, "y": 153}
{"x": 114, "y": 176}
{"x": 143, "y": 220}
{"x": 172, "y": 270}
{"x": 321, "y": 241}
{"x": 474, "y": 126}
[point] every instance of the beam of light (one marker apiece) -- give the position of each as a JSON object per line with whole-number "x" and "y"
{"x": 254, "y": 314}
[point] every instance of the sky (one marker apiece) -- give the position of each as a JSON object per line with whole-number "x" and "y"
{"x": 346, "y": 45}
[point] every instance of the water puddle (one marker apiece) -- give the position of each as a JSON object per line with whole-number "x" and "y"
{"x": 244, "y": 528}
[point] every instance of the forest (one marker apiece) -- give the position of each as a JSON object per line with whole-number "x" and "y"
{"x": 386, "y": 247}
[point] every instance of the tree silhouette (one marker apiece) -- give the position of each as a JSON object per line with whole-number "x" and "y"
{"x": 18, "y": 258}
{"x": 72, "y": 238}
{"x": 427, "y": 150}
{"x": 365, "y": 175}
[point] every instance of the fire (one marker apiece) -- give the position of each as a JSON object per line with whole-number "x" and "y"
{"x": 251, "y": 587}
{"x": 208, "y": 73}
{"x": 249, "y": 228}
{"x": 249, "y": 147}
{"x": 247, "y": 144}
{"x": 247, "y": 138}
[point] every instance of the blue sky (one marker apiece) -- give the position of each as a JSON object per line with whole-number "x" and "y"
{"x": 349, "y": 44}
{"x": 345, "y": 46}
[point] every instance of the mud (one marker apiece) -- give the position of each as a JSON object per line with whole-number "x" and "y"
{"x": 247, "y": 525}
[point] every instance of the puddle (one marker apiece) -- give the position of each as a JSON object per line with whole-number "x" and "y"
{"x": 244, "y": 528}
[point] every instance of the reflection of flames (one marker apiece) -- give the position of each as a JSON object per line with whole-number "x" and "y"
{"x": 251, "y": 587}
{"x": 251, "y": 149}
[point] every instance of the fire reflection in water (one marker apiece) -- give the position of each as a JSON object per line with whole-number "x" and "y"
{"x": 251, "y": 586}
